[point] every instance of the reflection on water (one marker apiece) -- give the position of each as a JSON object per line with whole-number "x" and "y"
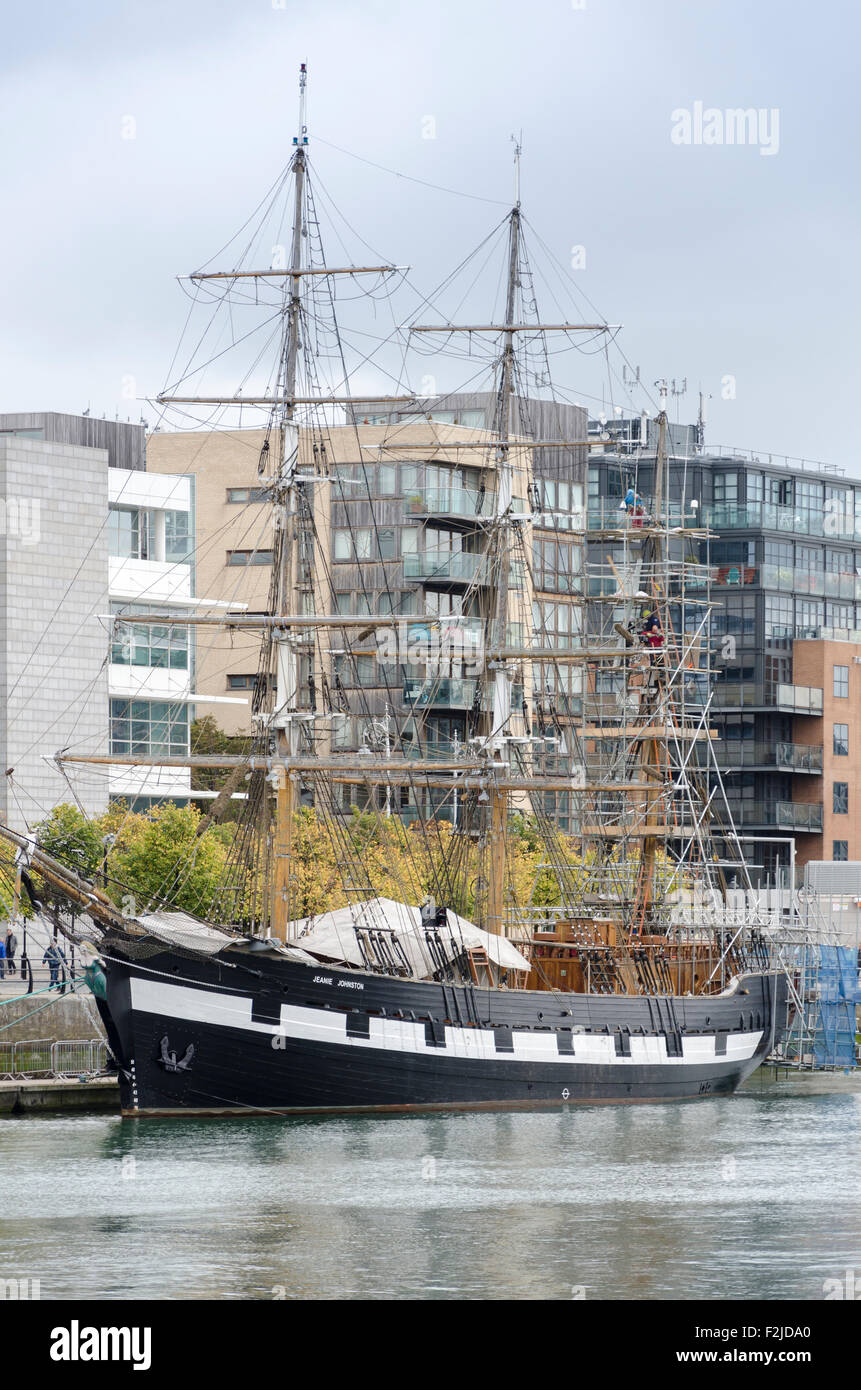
{"x": 752, "y": 1197}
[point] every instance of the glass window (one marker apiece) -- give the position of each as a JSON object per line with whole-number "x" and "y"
{"x": 840, "y": 850}
{"x": 841, "y": 682}
{"x": 841, "y": 740}
{"x": 357, "y": 670}
{"x": 363, "y": 543}
{"x": 247, "y": 494}
{"x": 778, "y": 615}
{"x": 839, "y": 562}
{"x": 128, "y": 533}
{"x": 808, "y": 557}
{"x": 726, "y": 487}
{"x": 839, "y": 614}
{"x": 149, "y": 728}
{"x": 778, "y": 553}
{"x": 779, "y": 491}
{"x": 250, "y": 557}
{"x": 808, "y": 494}
{"x": 841, "y": 798}
{"x": 809, "y": 615}
{"x": 177, "y": 539}
{"x": 386, "y": 479}
{"x": 143, "y": 644}
{"x": 754, "y": 487}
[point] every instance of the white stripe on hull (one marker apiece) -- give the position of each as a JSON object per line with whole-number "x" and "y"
{"x": 401, "y": 1035}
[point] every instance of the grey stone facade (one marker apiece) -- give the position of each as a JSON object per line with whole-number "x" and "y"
{"x": 53, "y": 587}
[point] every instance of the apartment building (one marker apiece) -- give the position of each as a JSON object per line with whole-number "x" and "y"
{"x": 786, "y": 582}
{"x": 401, "y": 529}
{"x": 231, "y": 558}
{"x": 87, "y": 536}
{"x": 150, "y": 542}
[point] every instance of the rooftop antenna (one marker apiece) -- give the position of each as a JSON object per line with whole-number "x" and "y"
{"x": 701, "y": 421}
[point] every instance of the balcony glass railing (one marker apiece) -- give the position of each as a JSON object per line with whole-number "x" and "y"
{"x": 610, "y": 515}
{"x": 779, "y": 815}
{"x": 791, "y": 699}
{"x": 444, "y": 693}
{"x": 745, "y": 753}
{"x": 755, "y": 516}
{"x": 451, "y": 634}
{"x": 818, "y": 583}
{"x": 451, "y": 501}
{"x": 460, "y": 566}
{"x": 800, "y": 699}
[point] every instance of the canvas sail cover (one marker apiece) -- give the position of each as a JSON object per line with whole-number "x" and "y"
{"x": 333, "y": 936}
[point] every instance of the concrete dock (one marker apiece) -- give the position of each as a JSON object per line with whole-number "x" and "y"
{"x": 59, "y": 1093}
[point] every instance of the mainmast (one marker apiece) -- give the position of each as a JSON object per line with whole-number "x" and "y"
{"x": 501, "y": 712}
{"x": 286, "y": 721}
{"x": 650, "y": 762}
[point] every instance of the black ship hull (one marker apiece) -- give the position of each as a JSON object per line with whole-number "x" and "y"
{"x": 250, "y": 1034}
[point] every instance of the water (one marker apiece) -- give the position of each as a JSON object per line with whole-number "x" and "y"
{"x": 755, "y": 1197}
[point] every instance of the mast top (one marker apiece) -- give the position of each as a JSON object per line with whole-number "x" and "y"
{"x": 302, "y": 137}
{"x": 518, "y": 146}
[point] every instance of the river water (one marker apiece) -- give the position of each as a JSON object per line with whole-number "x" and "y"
{"x": 754, "y": 1197}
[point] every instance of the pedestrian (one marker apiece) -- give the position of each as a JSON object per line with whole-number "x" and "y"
{"x": 2, "y": 959}
{"x": 54, "y": 956}
{"x": 11, "y": 949}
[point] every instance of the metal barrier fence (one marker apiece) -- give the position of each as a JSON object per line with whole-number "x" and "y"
{"x": 45, "y": 1057}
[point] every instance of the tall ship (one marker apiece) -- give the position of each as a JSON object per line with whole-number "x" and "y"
{"x": 616, "y": 972}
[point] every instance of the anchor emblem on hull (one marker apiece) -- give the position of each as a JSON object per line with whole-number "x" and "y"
{"x": 168, "y": 1059}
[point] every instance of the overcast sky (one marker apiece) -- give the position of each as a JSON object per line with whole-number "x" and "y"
{"x": 721, "y": 261}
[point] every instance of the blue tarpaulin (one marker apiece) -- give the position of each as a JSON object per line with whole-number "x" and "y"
{"x": 836, "y": 973}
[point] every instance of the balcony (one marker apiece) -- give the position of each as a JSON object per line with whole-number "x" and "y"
{"x": 449, "y": 635}
{"x": 447, "y": 567}
{"x": 817, "y": 583}
{"x": 740, "y": 754}
{"x": 445, "y": 693}
{"x": 799, "y": 699}
{"x": 801, "y": 816}
{"x": 789, "y": 699}
{"x": 457, "y": 503}
{"x": 450, "y": 692}
{"x": 610, "y": 515}
{"x": 767, "y": 516}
